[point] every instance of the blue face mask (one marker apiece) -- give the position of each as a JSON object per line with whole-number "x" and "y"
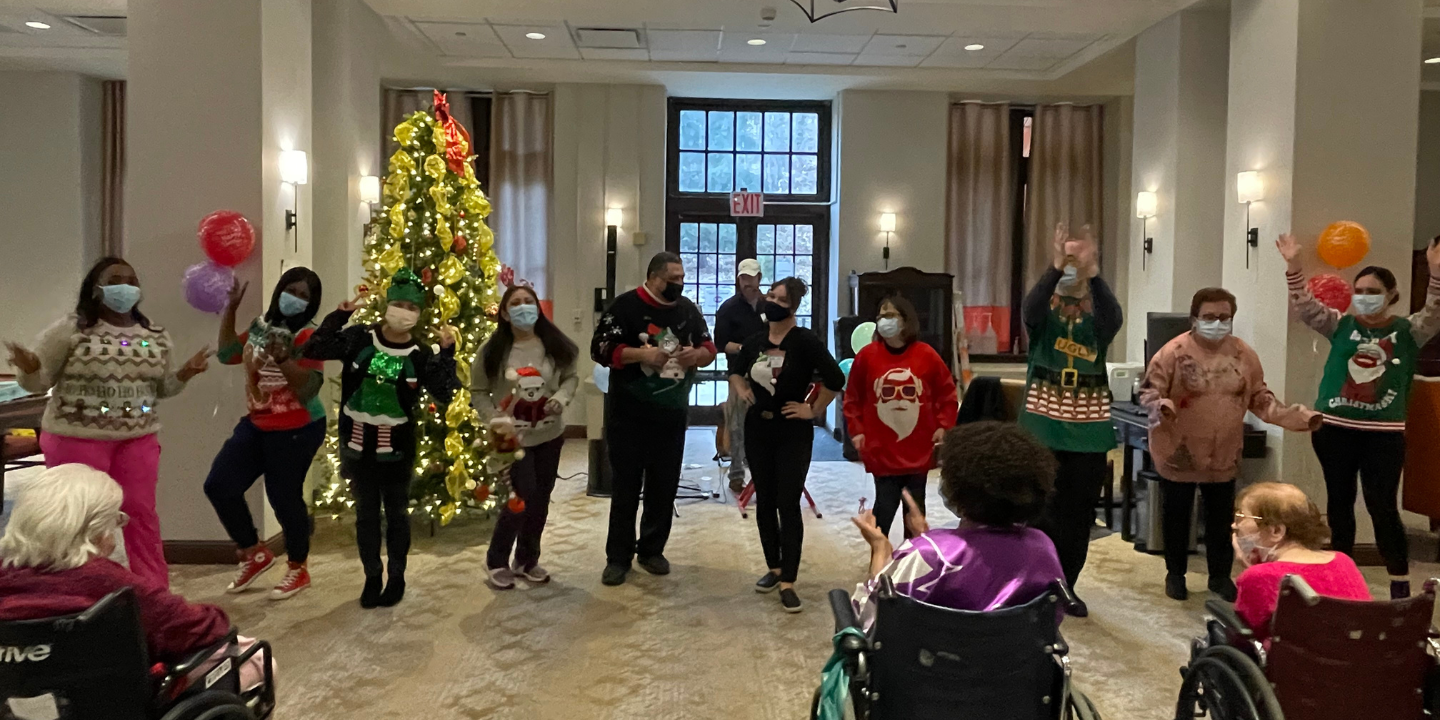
{"x": 524, "y": 316}
{"x": 1366, "y": 304}
{"x": 120, "y": 298}
{"x": 291, "y": 305}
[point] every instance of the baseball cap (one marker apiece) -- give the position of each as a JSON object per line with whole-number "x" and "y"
{"x": 748, "y": 266}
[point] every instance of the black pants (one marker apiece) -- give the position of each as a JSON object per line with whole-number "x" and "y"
{"x": 533, "y": 479}
{"x": 1177, "y": 504}
{"x": 646, "y": 456}
{"x": 778, "y": 451}
{"x": 283, "y": 457}
{"x": 888, "y": 498}
{"x": 1379, "y": 457}
{"x": 375, "y": 484}
{"x": 1070, "y": 511}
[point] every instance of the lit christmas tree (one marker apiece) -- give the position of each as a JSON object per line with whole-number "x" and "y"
{"x": 434, "y": 223}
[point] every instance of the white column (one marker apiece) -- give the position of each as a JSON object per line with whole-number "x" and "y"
{"x": 216, "y": 91}
{"x": 1323, "y": 104}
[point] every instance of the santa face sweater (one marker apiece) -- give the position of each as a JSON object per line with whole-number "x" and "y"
{"x": 104, "y": 380}
{"x": 528, "y": 381}
{"x": 897, "y": 399}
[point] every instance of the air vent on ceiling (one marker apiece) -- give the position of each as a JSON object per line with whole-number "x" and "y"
{"x": 608, "y": 38}
{"x": 99, "y": 24}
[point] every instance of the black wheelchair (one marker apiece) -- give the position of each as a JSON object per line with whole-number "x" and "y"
{"x": 94, "y": 666}
{"x": 1327, "y": 659}
{"x": 924, "y": 662}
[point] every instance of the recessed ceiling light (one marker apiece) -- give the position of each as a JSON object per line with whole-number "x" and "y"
{"x": 535, "y": 35}
{"x": 972, "y": 47}
{"x": 1433, "y": 61}
{"x": 37, "y": 25}
{"x": 755, "y": 41}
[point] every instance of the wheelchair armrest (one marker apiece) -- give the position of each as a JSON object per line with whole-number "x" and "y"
{"x": 200, "y": 657}
{"x": 1224, "y": 612}
{"x": 843, "y": 610}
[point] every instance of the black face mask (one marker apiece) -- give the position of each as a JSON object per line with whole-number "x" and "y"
{"x": 672, "y": 291}
{"x": 773, "y": 312}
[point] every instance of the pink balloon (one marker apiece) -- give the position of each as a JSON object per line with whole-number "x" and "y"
{"x": 226, "y": 237}
{"x": 207, "y": 286}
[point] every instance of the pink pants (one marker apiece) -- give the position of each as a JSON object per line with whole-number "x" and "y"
{"x": 135, "y": 466}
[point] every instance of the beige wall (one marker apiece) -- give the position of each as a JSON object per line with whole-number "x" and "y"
{"x": 1427, "y": 170}
{"x": 49, "y": 197}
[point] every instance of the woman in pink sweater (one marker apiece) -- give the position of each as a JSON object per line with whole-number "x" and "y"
{"x": 1197, "y": 390}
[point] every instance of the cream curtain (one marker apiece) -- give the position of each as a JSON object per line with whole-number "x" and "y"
{"x": 1066, "y": 178}
{"x": 521, "y": 185}
{"x": 980, "y": 220}
{"x": 112, "y": 169}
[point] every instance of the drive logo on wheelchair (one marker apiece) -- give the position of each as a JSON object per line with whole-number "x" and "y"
{"x": 34, "y": 653}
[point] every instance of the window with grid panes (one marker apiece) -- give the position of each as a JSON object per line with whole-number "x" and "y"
{"x": 707, "y": 250}
{"x": 778, "y": 148}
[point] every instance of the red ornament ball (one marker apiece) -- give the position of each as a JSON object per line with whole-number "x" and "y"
{"x": 1330, "y": 289}
{"x": 426, "y": 275}
{"x": 516, "y": 505}
{"x": 459, "y": 245}
{"x": 481, "y": 492}
{"x": 432, "y": 407}
{"x": 226, "y": 237}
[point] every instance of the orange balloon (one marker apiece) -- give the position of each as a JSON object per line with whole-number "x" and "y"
{"x": 1343, "y": 244}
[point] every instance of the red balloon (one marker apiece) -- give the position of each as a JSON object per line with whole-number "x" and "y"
{"x": 1332, "y": 290}
{"x": 226, "y": 237}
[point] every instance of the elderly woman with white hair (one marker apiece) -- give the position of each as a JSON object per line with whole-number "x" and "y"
{"x": 53, "y": 562}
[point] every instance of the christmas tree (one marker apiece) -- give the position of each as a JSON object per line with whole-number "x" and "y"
{"x": 434, "y": 223}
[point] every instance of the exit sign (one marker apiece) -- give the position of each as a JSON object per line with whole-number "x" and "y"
{"x": 747, "y": 204}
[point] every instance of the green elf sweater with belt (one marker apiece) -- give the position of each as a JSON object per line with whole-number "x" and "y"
{"x": 1067, "y": 393}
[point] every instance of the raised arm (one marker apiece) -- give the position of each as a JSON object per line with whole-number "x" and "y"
{"x": 1035, "y": 310}
{"x": 48, "y": 359}
{"x": 333, "y": 341}
{"x": 1426, "y": 323}
{"x": 1318, "y": 316}
{"x": 229, "y": 347}
{"x": 1108, "y": 314}
{"x": 438, "y": 375}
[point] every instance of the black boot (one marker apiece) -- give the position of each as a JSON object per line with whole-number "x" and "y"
{"x": 370, "y": 596}
{"x": 1175, "y": 587}
{"x": 394, "y": 591}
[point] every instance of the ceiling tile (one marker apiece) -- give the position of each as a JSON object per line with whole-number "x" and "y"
{"x": 613, "y": 54}
{"x": 740, "y": 41}
{"x": 817, "y": 58}
{"x": 820, "y": 43}
{"x": 903, "y": 45}
{"x": 967, "y": 60}
{"x": 556, "y": 45}
{"x": 1010, "y": 61}
{"x": 464, "y": 39}
{"x": 888, "y": 60}
{"x": 1054, "y": 48}
{"x": 685, "y": 40}
{"x": 994, "y": 46}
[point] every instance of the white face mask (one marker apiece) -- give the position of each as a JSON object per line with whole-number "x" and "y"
{"x": 1251, "y": 549}
{"x": 1213, "y": 330}
{"x": 1069, "y": 276}
{"x": 888, "y": 327}
{"x": 399, "y": 319}
{"x": 1367, "y": 304}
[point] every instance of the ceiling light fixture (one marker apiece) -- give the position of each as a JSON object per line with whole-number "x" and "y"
{"x": 816, "y": 10}
{"x": 1432, "y": 61}
{"x": 38, "y": 25}
{"x": 755, "y": 41}
{"x": 972, "y": 47}
{"x": 535, "y": 35}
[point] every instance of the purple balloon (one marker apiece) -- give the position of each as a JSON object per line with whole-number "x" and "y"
{"x": 207, "y": 286}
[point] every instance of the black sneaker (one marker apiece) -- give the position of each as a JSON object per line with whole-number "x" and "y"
{"x": 394, "y": 592}
{"x": 1175, "y": 587}
{"x": 767, "y": 583}
{"x": 1224, "y": 588}
{"x": 370, "y": 596}
{"x": 657, "y": 565}
{"x": 789, "y": 600}
{"x": 1079, "y": 609}
{"x": 1399, "y": 589}
{"x": 614, "y": 574}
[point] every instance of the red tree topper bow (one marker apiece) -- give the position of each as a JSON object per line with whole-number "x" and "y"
{"x": 455, "y": 151}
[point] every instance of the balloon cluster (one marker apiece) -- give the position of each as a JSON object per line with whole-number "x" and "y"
{"x": 227, "y": 239}
{"x": 1342, "y": 244}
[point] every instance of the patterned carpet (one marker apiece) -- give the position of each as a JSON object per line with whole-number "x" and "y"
{"x": 698, "y": 643}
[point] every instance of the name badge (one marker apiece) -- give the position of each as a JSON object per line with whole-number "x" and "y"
{"x": 1074, "y": 349}
{"x": 777, "y": 362}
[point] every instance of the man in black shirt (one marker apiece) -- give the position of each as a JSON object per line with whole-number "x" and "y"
{"x": 653, "y": 339}
{"x": 737, "y": 319}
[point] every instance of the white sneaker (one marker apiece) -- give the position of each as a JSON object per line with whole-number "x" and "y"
{"x": 501, "y": 578}
{"x": 535, "y": 574}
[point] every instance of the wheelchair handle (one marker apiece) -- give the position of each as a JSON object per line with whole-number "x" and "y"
{"x": 843, "y": 610}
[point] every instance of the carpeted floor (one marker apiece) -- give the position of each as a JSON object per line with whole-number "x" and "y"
{"x": 696, "y": 644}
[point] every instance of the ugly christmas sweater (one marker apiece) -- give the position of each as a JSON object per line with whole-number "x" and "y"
{"x": 273, "y": 404}
{"x": 104, "y": 380}
{"x": 380, "y": 386}
{"x": 897, "y": 399}
{"x": 529, "y": 380}
{"x": 637, "y": 319}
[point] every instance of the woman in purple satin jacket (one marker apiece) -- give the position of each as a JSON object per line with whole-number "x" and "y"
{"x": 996, "y": 477}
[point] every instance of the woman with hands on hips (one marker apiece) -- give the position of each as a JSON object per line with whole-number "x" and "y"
{"x": 106, "y": 366}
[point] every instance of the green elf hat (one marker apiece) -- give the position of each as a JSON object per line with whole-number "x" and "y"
{"x": 405, "y": 286}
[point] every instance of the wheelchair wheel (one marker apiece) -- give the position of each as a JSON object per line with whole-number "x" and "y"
{"x": 1223, "y": 684}
{"x": 209, "y": 706}
{"x": 815, "y": 704}
{"x": 1080, "y": 707}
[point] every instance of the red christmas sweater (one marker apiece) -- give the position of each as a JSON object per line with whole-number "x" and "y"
{"x": 897, "y": 399}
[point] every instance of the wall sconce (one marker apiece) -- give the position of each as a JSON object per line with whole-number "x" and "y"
{"x": 1249, "y": 188}
{"x": 294, "y": 170}
{"x": 369, "y": 189}
{"x": 887, "y": 226}
{"x": 1145, "y": 205}
{"x": 614, "y": 217}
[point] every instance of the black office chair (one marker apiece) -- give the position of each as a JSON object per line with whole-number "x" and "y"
{"x": 94, "y": 665}
{"x": 924, "y": 662}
